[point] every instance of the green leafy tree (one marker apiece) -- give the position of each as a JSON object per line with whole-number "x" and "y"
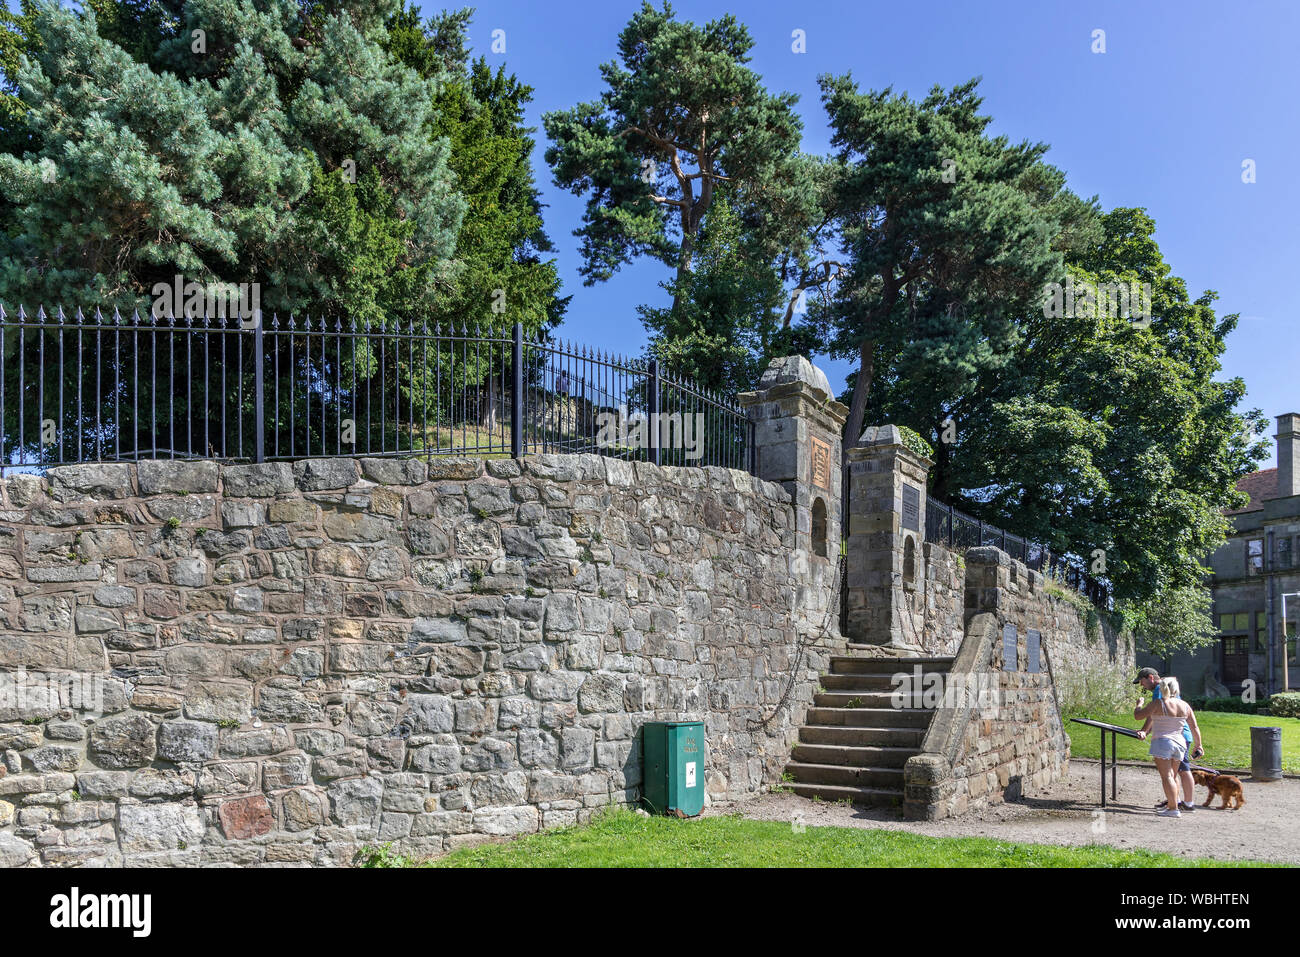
{"x": 327, "y": 151}
{"x": 1108, "y": 433}
{"x": 1171, "y": 620}
{"x": 17, "y": 39}
{"x": 501, "y": 274}
{"x": 1099, "y": 429}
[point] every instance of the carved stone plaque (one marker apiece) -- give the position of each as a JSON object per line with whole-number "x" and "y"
{"x": 821, "y": 463}
{"x": 1010, "y": 653}
{"x": 911, "y": 508}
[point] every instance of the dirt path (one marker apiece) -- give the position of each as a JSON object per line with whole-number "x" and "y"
{"x": 1267, "y": 828}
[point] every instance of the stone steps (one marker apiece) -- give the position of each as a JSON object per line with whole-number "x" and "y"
{"x": 862, "y": 756}
{"x": 862, "y": 737}
{"x": 846, "y": 776}
{"x": 876, "y": 797}
{"x": 854, "y": 742}
{"x": 858, "y": 682}
{"x": 868, "y": 717}
{"x": 871, "y": 700}
{"x": 859, "y": 665}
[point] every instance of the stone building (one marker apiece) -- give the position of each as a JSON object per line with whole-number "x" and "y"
{"x": 1254, "y": 570}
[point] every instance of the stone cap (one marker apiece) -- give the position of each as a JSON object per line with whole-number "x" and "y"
{"x": 881, "y": 435}
{"x": 796, "y": 369}
{"x": 987, "y": 555}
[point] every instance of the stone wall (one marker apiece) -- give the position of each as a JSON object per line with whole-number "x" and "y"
{"x": 280, "y": 664}
{"x": 1000, "y": 735}
{"x": 1012, "y": 740}
{"x": 1080, "y": 638}
{"x": 938, "y": 600}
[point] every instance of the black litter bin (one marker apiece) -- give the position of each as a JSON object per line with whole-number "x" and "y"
{"x": 1266, "y": 754}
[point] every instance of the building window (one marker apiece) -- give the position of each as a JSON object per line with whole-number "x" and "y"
{"x": 1239, "y": 622}
{"x": 1284, "y": 552}
{"x": 1255, "y": 556}
{"x": 1261, "y": 632}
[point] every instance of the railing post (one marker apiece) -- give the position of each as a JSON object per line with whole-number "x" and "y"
{"x": 259, "y": 427}
{"x": 517, "y": 394}
{"x": 652, "y": 401}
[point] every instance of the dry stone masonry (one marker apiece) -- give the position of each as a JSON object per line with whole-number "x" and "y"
{"x": 1004, "y": 736}
{"x": 283, "y": 663}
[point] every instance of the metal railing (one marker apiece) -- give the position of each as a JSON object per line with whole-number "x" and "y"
{"x": 123, "y": 388}
{"x": 955, "y": 529}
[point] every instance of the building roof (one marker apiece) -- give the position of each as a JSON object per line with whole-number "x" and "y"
{"x": 1259, "y": 486}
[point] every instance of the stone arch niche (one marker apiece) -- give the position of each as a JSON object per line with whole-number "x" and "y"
{"x": 909, "y": 561}
{"x": 819, "y": 527}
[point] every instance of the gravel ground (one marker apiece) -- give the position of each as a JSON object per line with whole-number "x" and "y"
{"x": 1267, "y": 828}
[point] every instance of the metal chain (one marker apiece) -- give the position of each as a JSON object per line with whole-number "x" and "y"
{"x": 806, "y": 642}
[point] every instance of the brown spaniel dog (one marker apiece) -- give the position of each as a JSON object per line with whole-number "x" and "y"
{"x": 1224, "y": 785}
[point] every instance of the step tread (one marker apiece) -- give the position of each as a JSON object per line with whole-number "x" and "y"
{"x": 865, "y": 728}
{"x": 926, "y": 660}
{"x": 887, "y": 795}
{"x": 833, "y": 735}
{"x": 859, "y": 747}
{"x": 841, "y": 767}
{"x": 879, "y": 710}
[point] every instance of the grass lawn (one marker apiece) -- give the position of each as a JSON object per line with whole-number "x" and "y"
{"x": 1226, "y": 738}
{"x": 623, "y": 838}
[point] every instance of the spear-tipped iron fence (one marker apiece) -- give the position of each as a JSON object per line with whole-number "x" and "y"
{"x": 121, "y": 388}
{"x": 955, "y": 529}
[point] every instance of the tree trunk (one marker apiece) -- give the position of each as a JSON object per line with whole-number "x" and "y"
{"x": 857, "y": 412}
{"x": 488, "y": 418}
{"x": 861, "y": 389}
{"x": 867, "y": 363}
{"x": 939, "y": 471}
{"x": 683, "y": 265}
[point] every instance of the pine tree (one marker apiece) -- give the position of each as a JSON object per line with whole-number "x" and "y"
{"x": 681, "y": 116}
{"x": 726, "y": 325}
{"x": 948, "y": 232}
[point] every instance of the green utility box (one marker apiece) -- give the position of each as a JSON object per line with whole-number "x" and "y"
{"x": 674, "y": 767}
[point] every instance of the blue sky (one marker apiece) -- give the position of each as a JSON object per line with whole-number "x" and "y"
{"x": 1184, "y": 93}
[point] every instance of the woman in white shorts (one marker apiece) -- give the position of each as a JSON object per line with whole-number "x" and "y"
{"x": 1168, "y": 746}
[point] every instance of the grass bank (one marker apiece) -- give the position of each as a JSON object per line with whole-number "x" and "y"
{"x": 623, "y": 838}
{"x": 1226, "y": 737}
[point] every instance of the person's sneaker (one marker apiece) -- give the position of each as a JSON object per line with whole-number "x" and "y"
{"x": 1186, "y": 806}
{"x": 1168, "y": 813}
